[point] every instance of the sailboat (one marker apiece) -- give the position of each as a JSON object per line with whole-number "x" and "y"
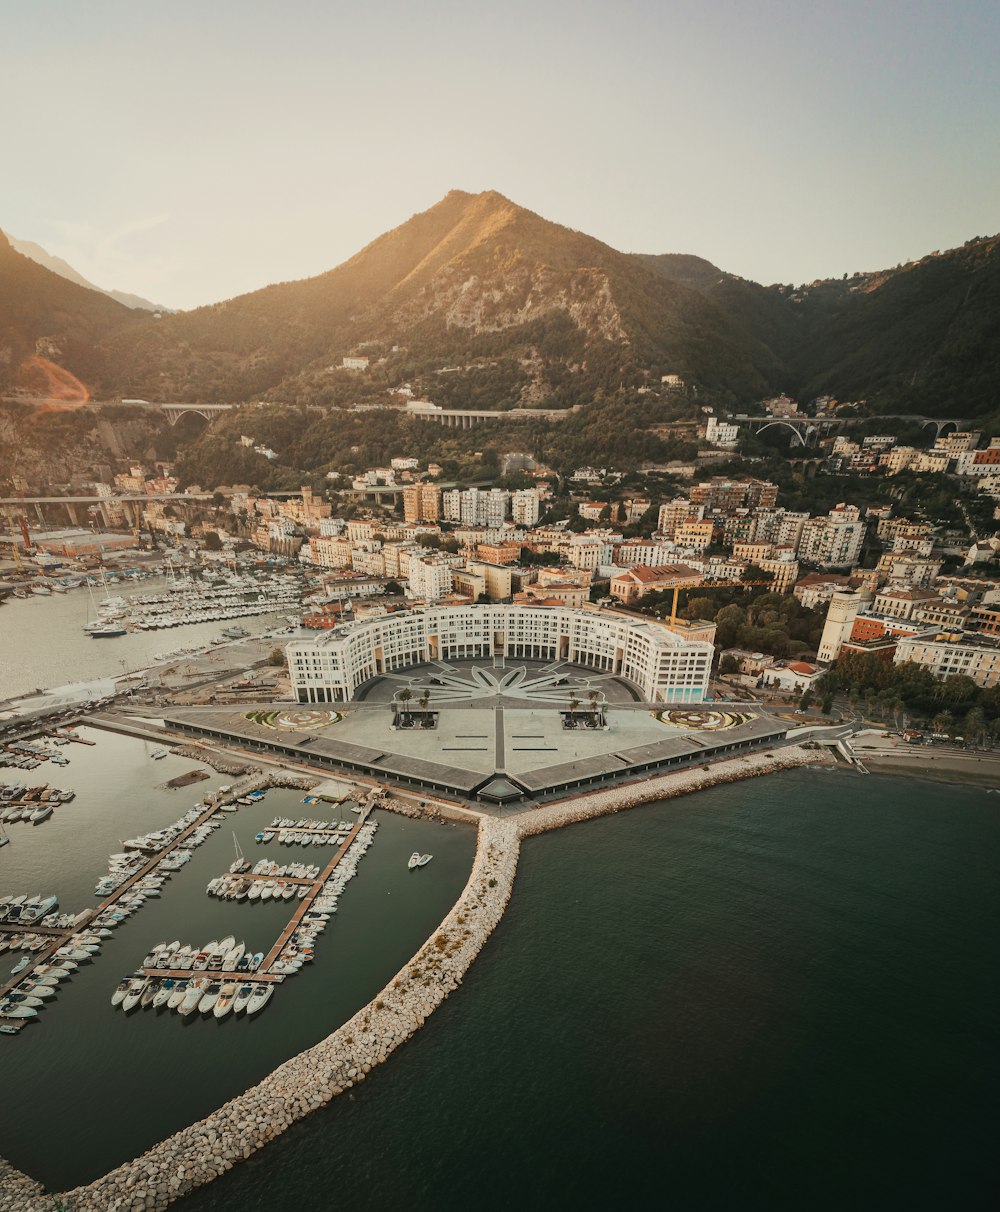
{"x": 240, "y": 863}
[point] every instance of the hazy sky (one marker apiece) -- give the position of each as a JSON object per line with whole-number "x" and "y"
{"x": 193, "y": 151}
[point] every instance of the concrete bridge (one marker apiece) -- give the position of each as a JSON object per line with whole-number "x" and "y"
{"x": 806, "y": 431}
{"x": 466, "y": 418}
{"x": 174, "y": 412}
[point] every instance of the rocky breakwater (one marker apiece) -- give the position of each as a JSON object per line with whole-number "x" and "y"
{"x": 202, "y": 1152}
{"x": 18, "y": 1192}
{"x": 666, "y": 786}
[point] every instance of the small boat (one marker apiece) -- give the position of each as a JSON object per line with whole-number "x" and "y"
{"x": 20, "y": 965}
{"x": 242, "y": 998}
{"x": 414, "y": 860}
{"x": 158, "y": 754}
{"x": 424, "y": 860}
{"x": 225, "y": 1000}
{"x": 177, "y": 994}
{"x": 134, "y": 993}
{"x": 163, "y": 994}
{"x": 260, "y": 997}
{"x": 233, "y": 957}
{"x": 41, "y": 991}
{"x": 192, "y": 997}
{"x": 209, "y": 998}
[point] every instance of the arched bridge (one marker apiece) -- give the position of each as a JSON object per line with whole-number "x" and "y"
{"x": 174, "y": 412}
{"x": 806, "y": 431}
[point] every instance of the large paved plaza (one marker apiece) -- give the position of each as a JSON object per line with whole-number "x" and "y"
{"x": 492, "y": 733}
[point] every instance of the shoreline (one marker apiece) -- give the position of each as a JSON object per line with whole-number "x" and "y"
{"x": 201, "y": 1152}
{"x": 983, "y": 772}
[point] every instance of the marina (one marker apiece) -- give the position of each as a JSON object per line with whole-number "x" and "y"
{"x": 53, "y": 648}
{"x": 380, "y": 921}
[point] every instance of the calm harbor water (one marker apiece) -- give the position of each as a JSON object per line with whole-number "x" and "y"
{"x": 87, "y": 1087}
{"x": 775, "y": 994}
{"x": 42, "y": 643}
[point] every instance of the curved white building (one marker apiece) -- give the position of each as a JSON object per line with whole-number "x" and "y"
{"x": 665, "y": 667}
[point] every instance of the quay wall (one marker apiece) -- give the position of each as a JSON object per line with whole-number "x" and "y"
{"x": 207, "y": 1149}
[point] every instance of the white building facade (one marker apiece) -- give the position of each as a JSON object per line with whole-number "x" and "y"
{"x": 664, "y": 666}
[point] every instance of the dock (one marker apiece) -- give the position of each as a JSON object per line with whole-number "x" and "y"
{"x": 306, "y": 903}
{"x": 62, "y": 934}
{"x": 181, "y": 974}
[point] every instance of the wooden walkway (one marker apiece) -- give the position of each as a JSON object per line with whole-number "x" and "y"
{"x": 282, "y": 879}
{"x": 306, "y": 903}
{"x": 241, "y": 978}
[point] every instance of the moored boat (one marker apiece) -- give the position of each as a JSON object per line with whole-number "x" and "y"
{"x": 260, "y": 997}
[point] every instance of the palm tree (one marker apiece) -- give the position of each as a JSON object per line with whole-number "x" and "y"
{"x": 425, "y": 698}
{"x": 592, "y": 695}
{"x": 404, "y": 697}
{"x": 574, "y": 702}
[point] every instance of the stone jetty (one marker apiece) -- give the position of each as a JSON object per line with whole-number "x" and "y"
{"x": 207, "y": 1149}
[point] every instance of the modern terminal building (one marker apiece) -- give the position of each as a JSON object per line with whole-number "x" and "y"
{"x": 664, "y": 667}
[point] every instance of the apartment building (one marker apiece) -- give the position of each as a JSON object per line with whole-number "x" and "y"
{"x": 665, "y": 666}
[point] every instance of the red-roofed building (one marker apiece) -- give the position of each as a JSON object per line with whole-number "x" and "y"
{"x": 634, "y": 583}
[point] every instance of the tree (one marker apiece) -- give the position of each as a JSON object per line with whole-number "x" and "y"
{"x": 807, "y": 698}
{"x": 212, "y": 541}
{"x": 729, "y": 664}
{"x": 392, "y": 587}
{"x": 276, "y": 658}
{"x": 404, "y": 697}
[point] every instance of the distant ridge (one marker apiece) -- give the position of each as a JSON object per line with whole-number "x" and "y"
{"x": 28, "y": 248}
{"x": 482, "y": 303}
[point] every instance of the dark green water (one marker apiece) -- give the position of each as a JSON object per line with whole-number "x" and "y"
{"x": 777, "y": 994}
{"x": 87, "y": 1087}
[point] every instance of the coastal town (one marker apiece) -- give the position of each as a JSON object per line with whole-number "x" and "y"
{"x": 786, "y": 596}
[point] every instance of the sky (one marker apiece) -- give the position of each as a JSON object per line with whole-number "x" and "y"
{"x": 190, "y": 152}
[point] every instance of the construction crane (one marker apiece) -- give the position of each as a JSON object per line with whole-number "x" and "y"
{"x": 709, "y": 585}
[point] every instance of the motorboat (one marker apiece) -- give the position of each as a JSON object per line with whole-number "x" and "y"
{"x": 163, "y": 994}
{"x": 134, "y": 993}
{"x": 260, "y": 997}
{"x": 192, "y": 997}
{"x": 151, "y": 990}
{"x": 233, "y": 957}
{"x": 242, "y": 998}
{"x": 225, "y": 1000}
{"x": 177, "y": 994}
{"x": 209, "y": 997}
{"x": 120, "y": 990}
{"x": 42, "y": 991}
{"x": 17, "y": 1011}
